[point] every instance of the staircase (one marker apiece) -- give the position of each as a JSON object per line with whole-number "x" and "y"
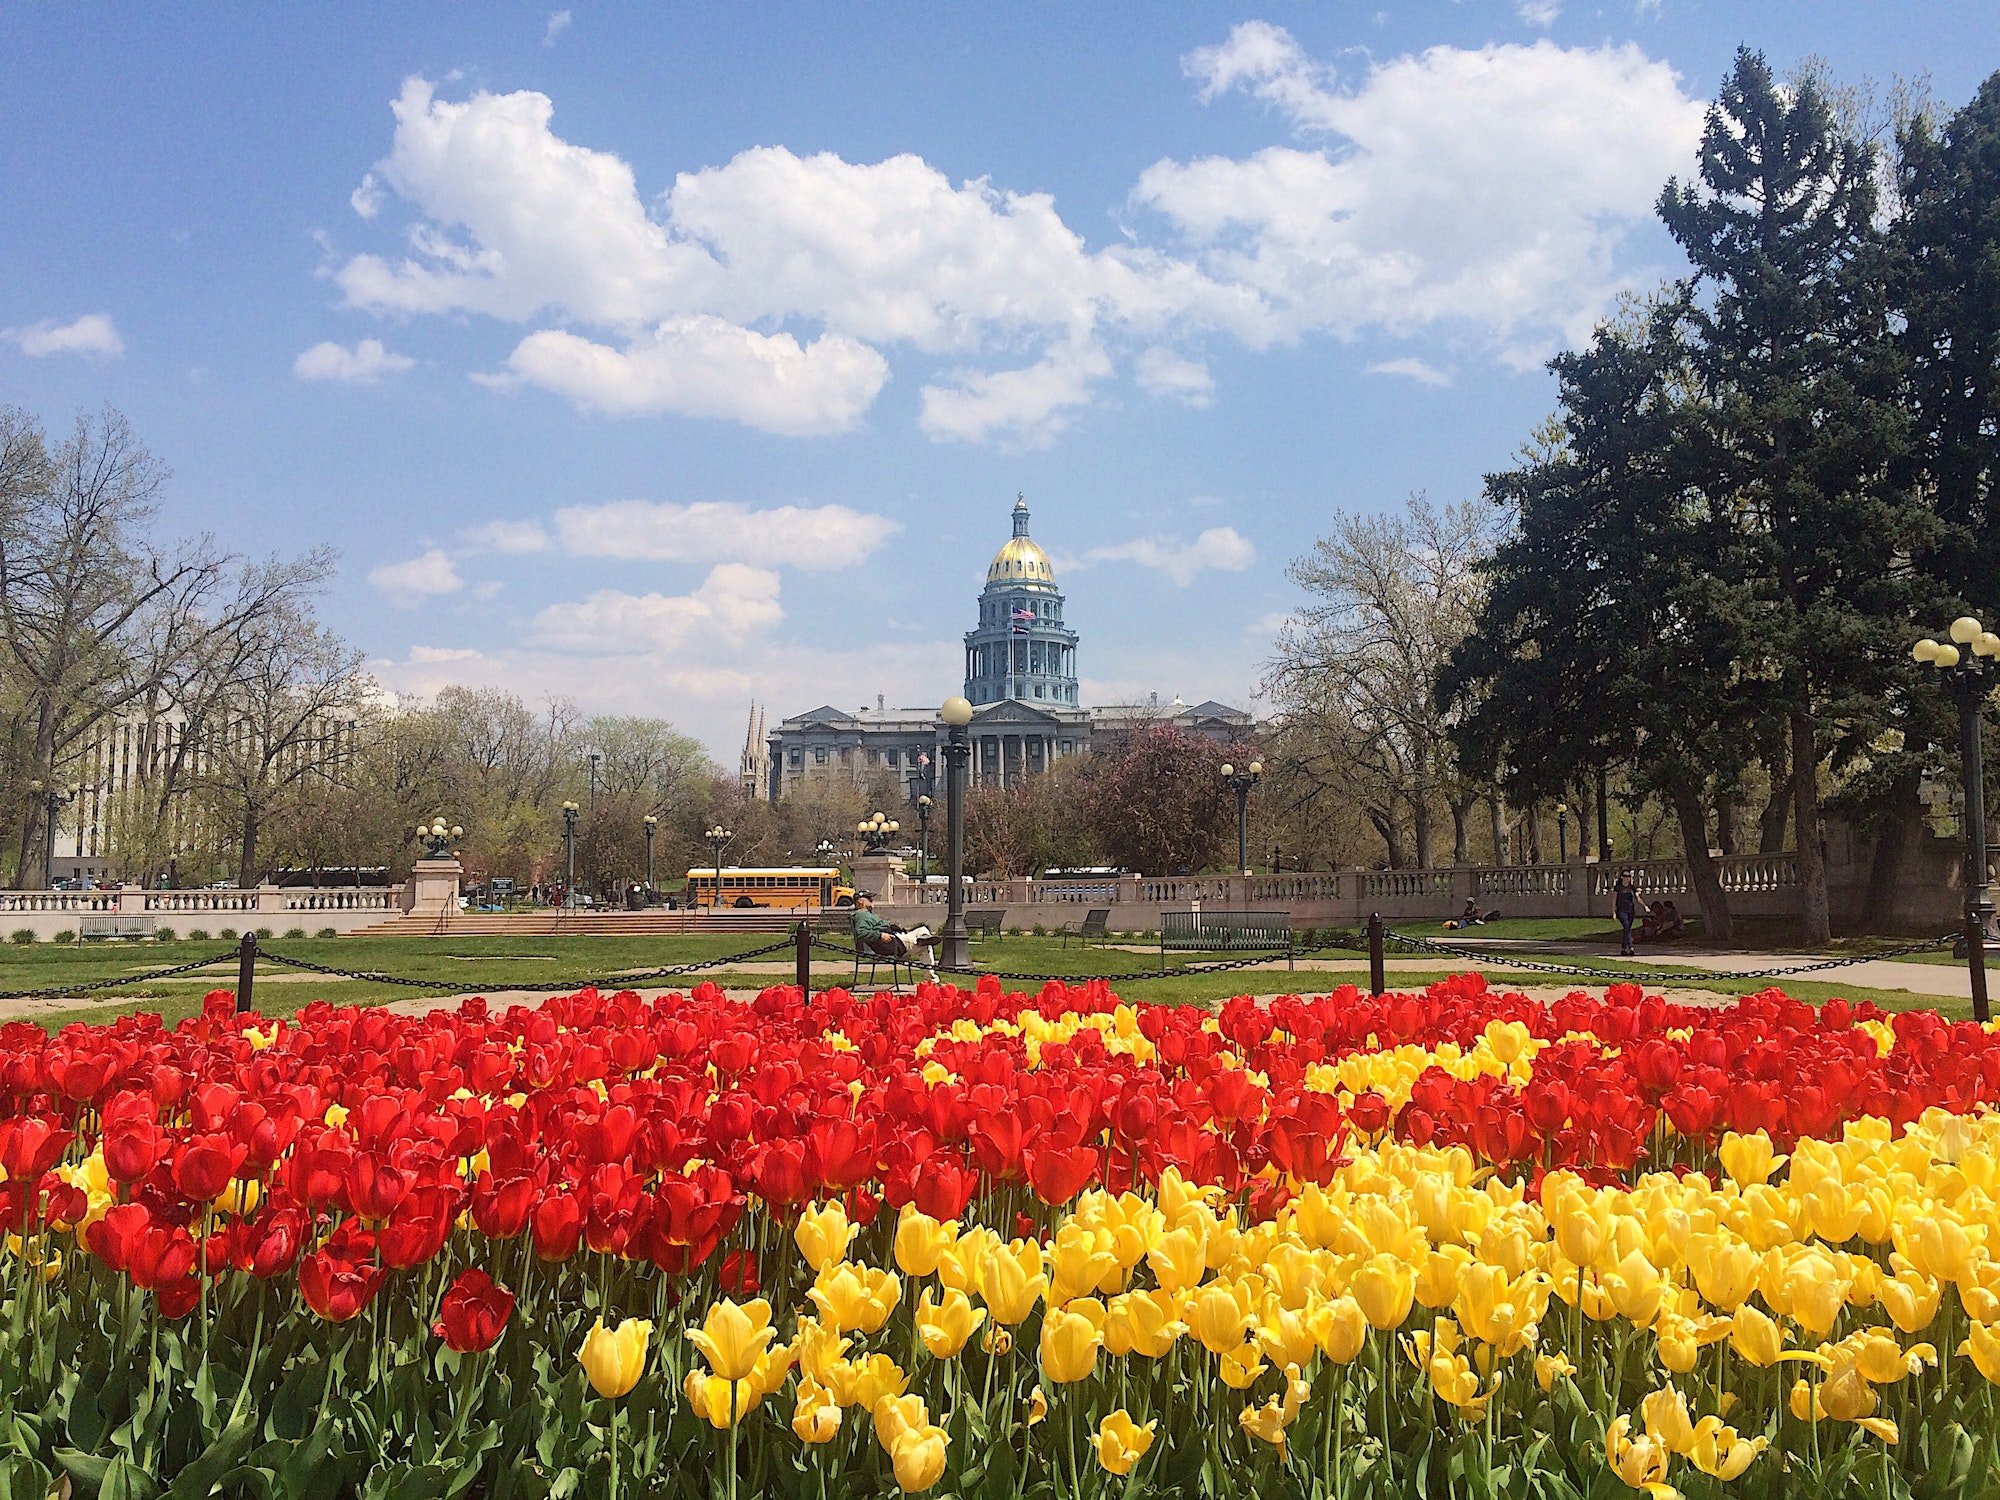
{"x": 559, "y": 923}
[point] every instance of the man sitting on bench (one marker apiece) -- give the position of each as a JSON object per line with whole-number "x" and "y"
{"x": 889, "y": 940}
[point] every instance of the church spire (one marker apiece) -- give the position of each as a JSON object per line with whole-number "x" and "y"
{"x": 1020, "y": 515}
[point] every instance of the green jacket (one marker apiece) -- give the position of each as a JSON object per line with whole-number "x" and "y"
{"x": 867, "y": 925}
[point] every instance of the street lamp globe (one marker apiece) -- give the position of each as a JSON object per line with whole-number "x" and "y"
{"x": 1965, "y": 630}
{"x": 1925, "y": 650}
{"x": 956, "y": 712}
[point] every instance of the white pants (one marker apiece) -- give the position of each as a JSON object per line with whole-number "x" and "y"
{"x": 911, "y": 939}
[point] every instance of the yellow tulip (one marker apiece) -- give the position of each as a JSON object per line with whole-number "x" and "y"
{"x": 1080, "y": 1261}
{"x": 823, "y": 1235}
{"x": 855, "y": 1297}
{"x": 718, "y": 1402}
{"x": 865, "y": 1383}
{"x": 1219, "y": 1315}
{"x": 1939, "y": 1247}
{"x": 1717, "y": 1449}
{"x": 1285, "y": 1336}
{"x": 1071, "y": 1336}
{"x": 1340, "y": 1328}
{"x": 1665, "y": 1415}
{"x": 1756, "y": 1337}
{"x": 918, "y": 1458}
{"x": 1178, "y": 1259}
{"x": 1580, "y": 1218}
{"x": 945, "y": 1326}
{"x": 1635, "y": 1289}
{"x": 1120, "y": 1442}
{"x": 1240, "y": 1367}
{"x": 921, "y": 1241}
{"x": 1725, "y": 1269}
{"x": 1439, "y": 1274}
{"x": 1846, "y": 1397}
{"x": 615, "y": 1358}
{"x": 732, "y": 1338}
{"x": 1910, "y": 1299}
{"x": 1038, "y": 1407}
{"x": 896, "y": 1415}
{"x": 1011, "y": 1281}
{"x": 1141, "y": 1323}
{"x": 816, "y": 1418}
{"x": 1983, "y": 1344}
{"x": 1385, "y": 1288}
{"x": 1551, "y": 1367}
{"x": 1749, "y": 1159}
{"x": 1641, "y": 1462}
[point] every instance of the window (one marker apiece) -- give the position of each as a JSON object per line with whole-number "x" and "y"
{"x": 819, "y": 755}
{"x": 796, "y": 758}
{"x": 891, "y": 757}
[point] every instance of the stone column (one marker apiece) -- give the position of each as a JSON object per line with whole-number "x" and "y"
{"x": 432, "y": 887}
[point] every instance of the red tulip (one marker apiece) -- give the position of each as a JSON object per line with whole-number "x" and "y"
{"x": 473, "y": 1311}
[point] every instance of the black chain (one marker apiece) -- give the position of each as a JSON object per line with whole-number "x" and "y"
{"x": 617, "y": 981}
{"x": 1656, "y": 976}
{"x": 64, "y": 991}
{"x": 1219, "y": 967}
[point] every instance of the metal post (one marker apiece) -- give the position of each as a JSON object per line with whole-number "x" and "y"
{"x": 802, "y": 958}
{"x": 1378, "y": 981}
{"x": 1603, "y": 814}
{"x": 1978, "y": 895}
{"x": 651, "y": 829}
{"x": 54, "y": 806}
{"x": 569, "y": 857}
{"x": 246, "y": 971}
{"x": 1562, "y": 836}
{"x": 953, "y": 941}
{"x": 1243, "y": 827}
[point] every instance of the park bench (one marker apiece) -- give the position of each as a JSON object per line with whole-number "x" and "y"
{"x": 1096, "y": 923}
{"x": 113, "y": 926}
{"x": 1227, "y": 932}
{"x": 984, "y": 923}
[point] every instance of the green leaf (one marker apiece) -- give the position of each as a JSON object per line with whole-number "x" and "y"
{"x": 125, "y": 1480}
{"x": 23, "y": 1478}
{"x": 198, "y": 1479}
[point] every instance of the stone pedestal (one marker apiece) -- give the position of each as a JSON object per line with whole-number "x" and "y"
{"x": 432, "y": 887}
{"x": 883, "y": 875}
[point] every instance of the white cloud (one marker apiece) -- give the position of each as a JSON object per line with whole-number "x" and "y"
{"x": 366, "y": 200}
{"x": 707, "y": 367}
{"x": 1029, "y": 406}
{"x": 431, "y": 655}
{"x": 516, "y": 538}
{"x": 1421, "y": 371}
{"x": 1161, "y": 372}
{"x": 429, "y": 576}
{"x": 1540, "y": 13}
{"x": 812, "y": 537}
{"x": 559, "y": 22}
{"x": 93, "y": 333}
{"x": 1271, "y": 624}
{"x": 364, "y": 364}
{"x": 1492, "y": 187}
{"x": 1220, "y": 549}
{"x": 734, "y": 600}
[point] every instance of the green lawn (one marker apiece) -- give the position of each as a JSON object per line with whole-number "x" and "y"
{"x": 546, "y": 964}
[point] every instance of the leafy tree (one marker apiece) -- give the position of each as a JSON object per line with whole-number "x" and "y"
{"x": 1158, "y": 805}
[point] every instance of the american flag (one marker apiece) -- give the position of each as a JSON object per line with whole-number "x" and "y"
{"x": 1022, "y": 619}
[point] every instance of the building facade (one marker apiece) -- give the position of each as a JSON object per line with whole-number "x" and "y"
{"x": 1020, "y": 674}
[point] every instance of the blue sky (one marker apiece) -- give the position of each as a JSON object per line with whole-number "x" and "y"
{"x": 671, "y": 358}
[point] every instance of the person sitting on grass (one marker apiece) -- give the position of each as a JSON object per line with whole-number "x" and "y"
{"x": 1663, "y": 921}
{"x": 890, "y": 940}
{"x": 1470, "y": 917}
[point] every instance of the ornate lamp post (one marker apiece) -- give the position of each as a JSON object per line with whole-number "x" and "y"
{"x": 718, "y": 839}
{"x": 1970, "y": 683}
{"x": 956, "y": 714}
{"x": 652, "y": 826}
{"x": 54, "y": 797}
{"x": 436, "y": 838}
{"x": 1562, "y": 833}
{"x": 924, "y": 846}
{"x": 569, "y": 854}
{"x": 876, "y": 831}
{"x": 1240, "y": 783}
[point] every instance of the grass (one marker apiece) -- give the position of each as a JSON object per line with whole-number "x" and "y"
{"x": 545, "y": 964}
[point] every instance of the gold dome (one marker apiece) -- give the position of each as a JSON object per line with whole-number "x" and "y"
{"x": 1021, "y": 561}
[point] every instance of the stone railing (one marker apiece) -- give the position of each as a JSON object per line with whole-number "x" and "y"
{"x": 1325, "y": 887}
{"x": 1392, "y": 885}
{"x": 77, "y": 902}
{"x": 1739, "y": 873}
{"x": 1077, "y": 892}
{"x": 229, "y": 900}
{"x": 343, "y": 908}
{"x": 1519, "y": 880}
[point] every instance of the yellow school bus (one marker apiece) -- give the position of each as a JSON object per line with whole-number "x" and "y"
{"x": 750, "y": 885}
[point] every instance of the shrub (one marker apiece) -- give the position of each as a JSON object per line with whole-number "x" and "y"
{"x": 227, "y": 934}
{"x": 290, "y": 932}
{"x": 326, "y": 932}
{"x": 64, "y": 936}
{"x": 22, "y": 936}
{"x": 264, "y": 934}
{"x": 163, "y": 934}
{"x": 197, "y": 934}
{"x": 1014, "y": 932}
{"x": 1039, "y": 930}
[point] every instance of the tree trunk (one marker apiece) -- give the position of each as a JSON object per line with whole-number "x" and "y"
{"x": 1771, "y": 827}
{"x": 1392, "y": 837}
{"x": 1717, "y": 924}
{"x": 1895, "y": 837}
{"x": 246, "y": 863}
{"x": 1603, "y": 813}
{"x": 1496, "y": 819}
{"x": 1420, "y": 817}
{"x": 1531, "y": 821}
{"x": 1815, "y": 919}
{"x": 1725, "y": 824}
{"x": 1461, "y": 833}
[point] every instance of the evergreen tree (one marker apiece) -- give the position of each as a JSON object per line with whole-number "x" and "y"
{"x": 1786, "y": 329}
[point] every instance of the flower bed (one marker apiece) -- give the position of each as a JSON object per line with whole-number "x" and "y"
{"x": 1449, "y": 1242}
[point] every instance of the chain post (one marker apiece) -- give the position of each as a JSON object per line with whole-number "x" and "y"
{"x": 802, "y": 958}
{"x": 1378, "y": 980}
{"x": 246, "y": 971}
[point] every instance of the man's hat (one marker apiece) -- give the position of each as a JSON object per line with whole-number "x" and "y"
{"x": 864, "y": 895}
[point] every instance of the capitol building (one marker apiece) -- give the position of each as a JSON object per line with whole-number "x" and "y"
{"x": 1021, "y": 679}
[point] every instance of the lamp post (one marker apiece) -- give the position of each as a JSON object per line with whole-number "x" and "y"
{"x": 436, "y": 838}
{"x": 1562, "y": 833}
{"x": 956, "y": 714}
{"x": 718, "y": 839}
{"x": 924, "y": 845}
{"x": 594, "y": 759}
{"x": 1970, "y": 684}
{"x": 652, "y": 826}
{"x": 54, "y": 799}
{"x": 1240, "y": 783}
{"x": 569, "y": 854}
{"x": 876, "y": 831}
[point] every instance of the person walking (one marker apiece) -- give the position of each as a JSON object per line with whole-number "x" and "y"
{"x": 1625, "y": 906}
